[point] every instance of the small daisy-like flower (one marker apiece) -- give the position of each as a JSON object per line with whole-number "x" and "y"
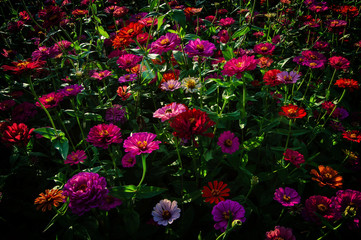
{"x": 191, "y": 84}
{"x": 288, "y": 197}
{"x": 127, "y": 78}
{"x": 170, "y": 85}
{"x": 165, "y": 212}
{"x": 169, "y": 111}
{"x": 228, "y": 142}
{"x": 141, "y": 142}
{"x": 50, "y": 198}
{"x": 75, "y": 157}
{"x": 129, "y": 160}
{"x": 215, "y": 192}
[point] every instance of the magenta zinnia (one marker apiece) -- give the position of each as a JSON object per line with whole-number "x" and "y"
{"x": 103, "y": 135}
{"x": 75, "y": 157}
{"x": 141, "y": 142}
{"x": 237, "y": 66}
{"x": 228, "y": 142}
{"x": 288, "y": 197}
{"x": 169, "y": 111}
{"x": 200, "y": 48}
{"x": 165, "y": 43}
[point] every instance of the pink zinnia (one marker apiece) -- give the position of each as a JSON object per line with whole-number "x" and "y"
{"x": 102, "y": 135}
{"x": 228, "y": 142}
{"x": 280, "y": 233}
{"x": 165, "y": 43}
{"x": 71, "y": 90}
{"x": 200, "y": 48}
{"x": 141, "y": 142}
{"x": 237, "y": 66}
{"x": 75, "y": 157}
{"x": 294, "y": 157}
{"x": 101, "y": 75}
{"x": 50, "y": 100}
{"x": 288, "y": 197}
{"x": 129, "y": 160}
{"x": 264, "y": 48}
{"x": 226, "y": 22}
{"x": 127, "y": 61}
{"x": 338, "y": 62}
{"x": 169, "y": 111}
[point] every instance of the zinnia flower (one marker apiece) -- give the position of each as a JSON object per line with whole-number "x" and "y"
{"x": 110, "y": 202}
{"x": 288, "y": 77}
{"x": 23, "y": 66}
{"x": 102, "y": 135}
{"x": 201, "y": 48}
{"x": 128, "y": 61}
{"x": 85, "y": 190}
{"x": 320, "y": 205}
{"x": 226, "y": 210}
{"x": 348, "y": 204}
{"x": 292, "y": 111}
{"x": 191, "y": 84}
{"x": 170, "y": 85}
{"x": 101, "y": 74}
{"x": 294, "y": 157}
{"x": 165, "y": 43}
{"x": 327, "y": 176}
{"x": 237, "y": 66}
{"x": 123, "y": 92}
{"x": 215, "y": 192}
{"x": 141, "y": 142}
{"x": 50, "y": 100}
{"x": 17, "y": 134}
{"x": 271, "y": 78}
{"x": 338, "y": 62}
{"x": 347, "y": 83}
{"x": 264, "y": 48}
{"x": 71, "y": 90}
{"x": 75, "y": 157}
{"x": 352, "y": 135}
{"x": 288, "y": 197}
{"x": 127, "y": 78}
{"x": 165, "y": 212}
{"x": 190, "y": 123}
{"x": 169, "y": 111}
{"x": 115, "y": 114}
{"x": 280, "y": 233}
{"x": 50, "y": 198}
{"x": 228, "y": 142}
{"x": 129, "y": 160}
{"x": 23, "y": 112}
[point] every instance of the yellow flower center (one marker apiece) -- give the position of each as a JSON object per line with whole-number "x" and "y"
{"x": 286, "y": 198}
{"x": 165, "y": 41}
{"x": 142, "y": 145}
{"x": 228, "y": 142}
{"x": 200, "y": 47}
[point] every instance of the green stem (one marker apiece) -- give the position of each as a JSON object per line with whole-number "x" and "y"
{"x": 144, "y": 164}
{"x": 288, "y": 139}
{"x": 329, "y": 85}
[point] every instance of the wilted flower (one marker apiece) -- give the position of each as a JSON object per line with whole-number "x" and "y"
{"x": 226, "y": 210}
{"x": 215, "y": 192}
{"x": 51, "y": 197}
{"x": 165, "y": 212}
{"x": 85, "y": 190}
{"x": 141, "y": 142}
{"x": 288, "y": 197}
{"x": 102, "y": 135}
{"x": 228, "y": 142}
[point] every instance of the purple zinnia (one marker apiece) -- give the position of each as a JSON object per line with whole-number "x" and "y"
{"x": 141, "y": 142}
{"x": 115, "y": 114}
{"x": 102, "y": 135}
{"x": 320, "y": 205}
{"x": 169, "y": 111}
{"x": 165, "y": 43}
{"x": 110, "y": 202}
{"x": 165, "y": 212}
{"x": 199, "y": 48}
{"x": 348, "y": 204}
{"x": 71, "y": 90}
{"x": 288, "y": 197}
{"x": 228, "y": 142}
{"x": 86, "y": 190}
{"x": 170, "y": 85}
{"x": 75, "y": 157}
{"x": 127, "y": 61}
{"x": 129, "y": 160}
{"x": 288, "y": 77}
{"x": 225, "y": 210}
{"x": 127, "y": 78}
{"x": 280, "y": 233}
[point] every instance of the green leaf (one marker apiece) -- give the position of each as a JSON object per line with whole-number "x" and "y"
{"x": 131, "y": 220}
{"x": 149, "y": 192}
{"x": 93, "y": 117}
{"x": 179, "y": 17}
{"x": 191, "y": 36}
{"x": 253, "y": 143}
{"x": 160, "y": 21}
{"x": 293, "y": 132}
{"x": 228, "y": 53}
{"x": 126, "y": 191}
{"x": 62, "y": 145}
{"x": 46, "y": 132}
{"x": 241, "y": 32}
{"x": 102, "y": 32}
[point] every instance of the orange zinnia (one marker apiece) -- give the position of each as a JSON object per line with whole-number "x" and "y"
{"x": 215, "y": 192}
{"x": 51, "y": 198}
{"x": 327, "y": 176}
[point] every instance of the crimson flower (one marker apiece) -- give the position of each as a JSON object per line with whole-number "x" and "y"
{"x": 23, "y": 66}
{"x": 237, "y": 66}
{"x": 352, "y": 135}
{"x": 292, "y": 111}
{"x": 215, "y": 192}
{"x": 17, "y": 134}
{"x": 347, "y": 83}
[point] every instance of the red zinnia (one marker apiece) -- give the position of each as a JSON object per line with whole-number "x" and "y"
{"x": 215, "y": 192}
{"x": 270, "y": 78}
{"x": 190, "y": 123}
{"x": 17, "y": 134}
{"x": 352, "y": 135}
{"x": 124, "y": 36}
{"x": 23, "y": 66}
{"x": 292, "y": 111}
{"x": 347, "y": 83}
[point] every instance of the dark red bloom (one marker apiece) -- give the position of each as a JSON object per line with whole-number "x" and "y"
{"x": 190, "y": 123}
{"x": 352, "y": 135}
{"x": 23, "y": 66}
{"x": 17, "y": 134}
{"x": 52, "y": 15}
{"x": 292, "y": 111}
{"x": 347, "y": 83}
{"x": 125, "y": 35}
{"x": 215, "y": 192}
{"x": 270, "y": 78}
